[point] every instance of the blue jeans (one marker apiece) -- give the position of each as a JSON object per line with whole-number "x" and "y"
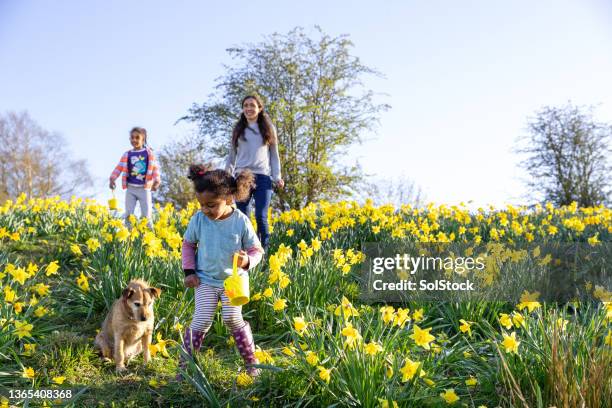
{"x": 262, "y": 193}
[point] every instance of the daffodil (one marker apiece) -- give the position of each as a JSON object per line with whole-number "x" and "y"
{"x": 83, "y": 282}
{"x": 561, "y": 323}
{"x": 28, "y": 372}
{"x": 76, "y": 249}
{"x": 346, "y": 309}
{"x": 263, "y": 356}
{"x": 19, "y": 275}
{"x": 401, "y": 317}
{"x": 422, "y": 337}
{"x": 122, "y": 235}
{"x": 449, "y": 396}
{"x": 52, "y": 268}
{"x": 510, "y": 343}
{"x": 18, "y": 307}
{"x": 153, "y": 350}
{"x": 299, "y": 325}
{"x": 244, "y": 380}
{"x": 593, "y": 241}
{"x": 23, "y": 329}
{"x": 352, "y": 335}
{"x": 324, "y": 373}
{"x": 471, "y": 382}
{"x": 388, "y": 314}
{"x": 312, "y": 358}
{"x": 518, "y": 320}
{"x": 41, "y": 289}
{"x": 40, "y": 311}
{"x": 279, "y": 304}
{"x": 93, "y": 244}
{"x": 288, "y": 351}
{"x": 373, "y": 348}
{"x": 59, "y": 380}
{"x": 29, "y": 349}
{"x": 505, "y": 320}
{"x": 529, "y": 301}
{"x": 409, "y": 369}
{"x": 316, "y": 244}
{"x": 466, "y": 327}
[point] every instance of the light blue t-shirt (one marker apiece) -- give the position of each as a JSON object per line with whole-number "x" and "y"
{"x": 217, "y": 241}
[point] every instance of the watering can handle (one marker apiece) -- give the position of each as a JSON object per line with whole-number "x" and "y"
{"x": 235, "y": 265}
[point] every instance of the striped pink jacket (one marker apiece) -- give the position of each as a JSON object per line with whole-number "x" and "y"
{"x": 152, "y": 170}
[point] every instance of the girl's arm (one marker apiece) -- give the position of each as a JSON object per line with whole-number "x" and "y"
{"x": 255, "y": 254}
{"x": 274, "y": 158}
{"x": 188, "y": 257}
{"x": 250, "y": 242}
{"x": 120, "y": 168}
{"x": 154, "y": 168}
{"x": 275, "y": 162}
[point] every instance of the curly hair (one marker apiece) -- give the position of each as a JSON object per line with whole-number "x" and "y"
{"x": 220, "y": 182}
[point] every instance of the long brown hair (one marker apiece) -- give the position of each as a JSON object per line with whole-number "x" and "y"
{"x": 263, "y": 121}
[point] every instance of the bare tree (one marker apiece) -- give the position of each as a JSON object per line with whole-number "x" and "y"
{"x": 174, "y": 159}
{"x": 568, "y": 155}
{"x": 35, "y": 161}
{"x": 396, "y": 191}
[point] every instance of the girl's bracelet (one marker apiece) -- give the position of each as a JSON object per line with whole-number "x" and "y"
{"x": 189, "y": 272}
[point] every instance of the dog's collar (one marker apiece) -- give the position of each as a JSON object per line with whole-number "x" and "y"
{"x": 128, "y": 310}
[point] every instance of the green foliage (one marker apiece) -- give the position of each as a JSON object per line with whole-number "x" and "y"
{"x": 174, "y": 160}
{"x": 313, "y": 91}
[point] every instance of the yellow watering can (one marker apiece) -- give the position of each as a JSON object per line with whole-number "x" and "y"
{"x": 237, "y": 286}
{"x": 112, "y": 203}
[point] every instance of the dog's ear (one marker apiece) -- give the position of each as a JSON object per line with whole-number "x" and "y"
{"x": 155, "y": 292}
{"x": 128, "y": 292}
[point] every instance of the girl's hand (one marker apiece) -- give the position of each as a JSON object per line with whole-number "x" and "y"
{"x": 155, "y": 186}
{"x": 280, "y": 183}
{"x": 192, "y": 281}
{"x": 111, "y": 184}
{"x": 243, "y": 259}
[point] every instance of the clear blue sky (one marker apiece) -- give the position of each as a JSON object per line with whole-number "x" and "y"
{"x": 462, "y": 76}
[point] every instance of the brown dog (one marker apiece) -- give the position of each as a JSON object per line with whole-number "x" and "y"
{"x": 128, "y": 328}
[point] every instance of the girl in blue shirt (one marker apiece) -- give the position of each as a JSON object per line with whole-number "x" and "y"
{"x": 213, "y": 236}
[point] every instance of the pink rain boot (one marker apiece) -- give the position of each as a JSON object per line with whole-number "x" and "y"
{"x": 246, "y": 347}
{"x": 192, "y": 341}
